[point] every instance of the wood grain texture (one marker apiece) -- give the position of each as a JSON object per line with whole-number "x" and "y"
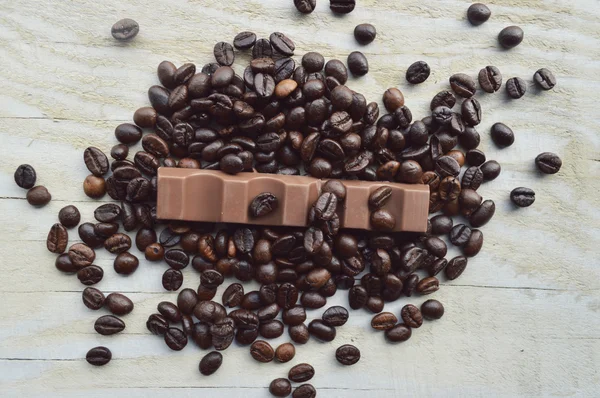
{"x": 523, "y": 320}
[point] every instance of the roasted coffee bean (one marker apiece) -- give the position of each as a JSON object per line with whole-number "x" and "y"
{"x": 463, "y": 85}
{"x": 232, "y": 296}
{"x": 305, "y": 6}
{"x": 118, "y": 303}
{"x": 244, "y": 40}
{"x": 382, "y": 220}
{"x": 418, "y": 72}
{"x": 437, "y": 266}
{"x": 69, "y": 216}
{"x": 128, "y": 133}
{"x": 312, "y": 300}
{"x": 262, "y": 351}
{"x": 393, "y": 99}
{"x": 545, "y": 79}
{"x": 490, "y": 79}
{"x": 428, "y": 285}
{"x": 455, "y": 267}
{"x": 88, "y": 235}
{"x": 271, "y": 329}
{"x": 460, "y": 234}
{"x": 365, "y": 33}
{"x": 125, "y": 29}
{"x": 39, "y": 196}
{"x": 432, "y": 309}
{"x": 475, "y": 157}
{"x": 108, "y": 325}
{"x": 305, "y": 391}
{"x": 384, "y": 321}
{"x": 223, "y": 53}
{"x": 335, "y": 316}
{"x": 471, "y": 112}
{"x": 398, "y": 333}
{"x": 57, "y": 239}
{"x": 98, "y": 356}
{"x": 170, "y": 311}
{"x": 346, "y": 245}
{"x": 510, "y": 37}
{"x": 280, "y": 387}
{"x": 347, "y": 354}
{"x": 483, "y": 214}
{"x": 321, "y": 331}
{"x": 263, "y": 204}
{"x": 118, "y": 243}
{"x": 157, "y": 324}
{"x": 380, "y": 196}
{"x": 175, "y": 339}
{"x": 336, "y": 69}
{"x": 143, "y": 117}
{"x": 186, "y": 301}
{"x": 81, "y": 255}
{"x": 342, "y": 6}
{"x": 201, "y": 335}
{"x": 436, "y": 246}
{"x": 166, "y": 74}
{"x": 472, "y": 178}
{"x": 96, "y": 161}
{"x": 357, "y": 297}
{"x": 478, "y": 13}
{"x": 25, "y": 176}
{"x": 90, "y": 275}
{"x": 335, "y": 187}
{"x": 262, "y": 49}
{"x": 285, "y": 352}
{"x": 282, "y": 44}
{"x": 442, "y": 115}
{"x": 313, "y": 239}
{"x": 470, "y": 139}
{"x": 301, "y": 373}
{"x": 93, "y": 298}
{"x": 251, "y": 301}
{"x": 176, "y": 258}
{"x": 522, "y": 197}
{"x": 299, "y": 333}
{"x": 469, "y": 201}
{"x": 125, "y": 263}
{"x": 268, "y": 313}
{"x": 108, "y": 213}
{"x": 223, "y": 333}
{"x": 441, "y": 225}
{"x": 410, "y": 283}
{"x": 210, "y": 363}
{"x": 358, "y": 63}
{"x": 447, "y": 166}
{"x": 443, "y": 98}
{"x": 474, "y": 244}
{"x": 294, "y": 316}
{"x": 172, "y": 279}
{"x": 516, "y": 87}
{"x": 94, "y": 187}
{"x": 449, "y": 189}
{"x": 154, "y": 252}
{"x": 159, "y": 99}
{"x": 547, "y": 163}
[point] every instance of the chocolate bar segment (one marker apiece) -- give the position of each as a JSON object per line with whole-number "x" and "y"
{"x": 214, "y": 196}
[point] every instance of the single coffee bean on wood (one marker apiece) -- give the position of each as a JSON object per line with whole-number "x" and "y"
{"x": 108, "y": 325}
{"x": 510, "y": 37}
{"x": 522, "y": 197}
{"x": 98, "y": 356}
{"x": 93, "y": 298}
{"x": 432, "y": 309}
{"x": 285, "y": 352}
{"x": 305, "y": 6}
{"x": 280, "y": 387}
{"x": 301, "y": 373}
{"x": 210, "y": 363}
{"x": 175, "y": 339}
{"x": 125, "y": 29}
{"x": 57, "y": 239}
{"x": 516, "y": 87}
{"x": 38, "y": 196}
{"x": 69, "y": 216}
{"x": 418, "y": 72}
{"x": 478, "y": 13}
{"x": 262, "y": 351}
{"x": 365, "y": 33}
{"x": 347, "y": 354}
{"x": 502, "y": 135}
{"x": 118, "y": 303}
{"x": 545, "y": 79}
{"x": 305, "y": 391}
{"x": 25, "y": 176}
{"x": 342, "y": 6}
{"x": 548, "y": 163}
{"x": 490, "y": 79}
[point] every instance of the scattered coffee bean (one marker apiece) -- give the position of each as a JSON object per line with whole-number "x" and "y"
{"x": 502, "y": 135}
{"x": 510, "y": 37}
{"x": 285, "y": 352}
{"x": 108, "y": 325}
{"x": 358, "y": 63}
{"x": 69, "y": 216}
{"x": 172, "y": 279}
{"x": 463, "y": 85}
{"x": 365, "y": 33}
{"x": 93, "y": 298}
{"x": 157, "y": 324}
{"x": 263, "y": 204}
{"x": 280, "y": 387}
{"x": 516, "y": 87}
{"x": 210, "y": 363}
{"x": 478, "y": 13}
{"x": 175, "y": 339}
{"x": 90, "y": 275}
{"x": 305, "y": 6}
{"x": 38, "y": 196}
{"x": 342, "y": 6}
{"x": 347, "y": 354}
{"x": 25, "y": 176}
{"x": 548, "y": 163}
{"x": 418, "y": 72}
{"x": 483, "y": 214}
{"x": 522, "y": 197}
{"x": 398, "y": 333}
{"x": 244, "y": 40}
{"x": 98, "y": 356}
{"x": 432, "y": 309}
{"x": 57, "y": 239}
{"x": 384, "y": 321}
{"x": 545, "y": 79}
{"x": 94, "y": 187}
{"x": 474, "y": 244}
{"x": 301, "y": 373}
{"x": 490, "y": 79}
{"x": 335, "y": 316}
{"x": 118, "y": 303}
{"x": 125, "y": 29}
{"x": 262, "y": 351}
{"x": 491, "y": 170}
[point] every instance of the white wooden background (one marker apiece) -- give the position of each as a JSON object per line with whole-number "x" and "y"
{"x": 523, "y": 320}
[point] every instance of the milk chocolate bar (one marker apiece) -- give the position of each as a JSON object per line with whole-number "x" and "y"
{"x": 214, "y": 196}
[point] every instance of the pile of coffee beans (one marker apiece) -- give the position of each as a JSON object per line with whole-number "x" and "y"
{"x": 283, "y": 118}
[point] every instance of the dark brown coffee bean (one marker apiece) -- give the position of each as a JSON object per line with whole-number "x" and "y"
{"x": 280, "y": 387}
{"x": 545, "y": 79}
{"x": 170, "y": 311}
{"x": 263, "y": 204}
{"x": 358, "y": 63}
{"x": 382, "y": 220}
{"x": 301, "y": 373}
{"x": 271, "y": 329}
{"x": 455, "y": 267}
{"x": 81, "y": 255}
{"x": 384, "y": 321}
{"x": 98, "y": 356}
{"x": 69, "y": 216}
{"x": 175, "y": 339}
{"x": 418, "y": 72}
{"x": 57, "y": 239}
{"x": 108, "y": 325}
{"x": 380, "y": 196}
{"x": 312, "y": 300}
{"x": 38, "y": 196}
{"x": 92, "y": 298}
{"x": 474, "y": 244}
{"x": 299, "y": 333}
{"x": 118, "y": 303}
{"x": 244, "y": 40}
{"x": 411, "y": 315}
{"x": 472, "y": 178}
{"x": 441, "y": 225}
{"x": 232, "y": 296}
{"x": 490, "y": 79}
{"x": 210, "y": 363}
{"x": 25, "y": 176}
{"x": 285, "y": 352}
{"x": 516, "y": 87}
{"x": 478, "y": 13}
{"x": 483, "y": 214}
{"x": 398, "y": 333}
{"x": 547, "y": 163}
{"x": 432, "y": 309}
{"x": 342, "y": 6}
{"x": 305, "y": 6}
{"x": 262, "y": 351}
{"x": 118, "y": 243}
{"x": 282, "y": 44}
{"x": 224, "y": 54}
{"x": 305, "y": 390}
{"x": 172, "y": 279}
{"x": 157, "y": 324}
{"x": 463, "y": 85}
{"x": 321, "y": 331}
{"x": 294, "y": 316}
{"x": 357, "y": 297}
{"x": 428, "y": 285}
{"x": 124, "y": 30}
{"x": 96, "y": 161}
{"x": 90, "y": 275}
{"x": 460, "y": 234}
{"x": 449, "y": 189}
{"x": 510, "y": 37}
{"x": 126, "y": 263}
